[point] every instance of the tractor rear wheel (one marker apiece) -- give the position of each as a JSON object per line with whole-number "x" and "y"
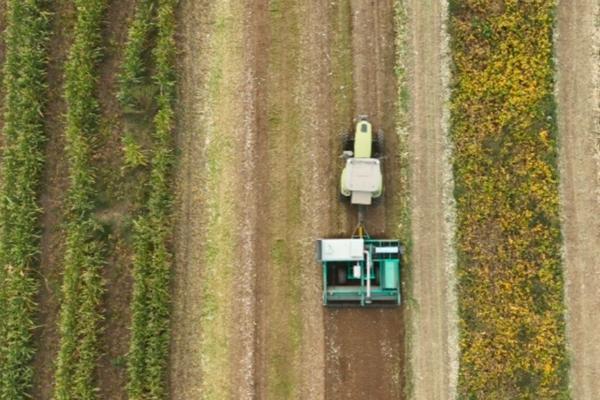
{"x": 347, "y": 142}
{"x": 378, "y": 145}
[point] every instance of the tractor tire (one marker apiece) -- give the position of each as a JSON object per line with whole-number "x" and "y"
{"x": 378, "y": 145}
{"x": 344, "y": 199}
{"x": 376, "y": 202}
{"x": 347, "y": 142}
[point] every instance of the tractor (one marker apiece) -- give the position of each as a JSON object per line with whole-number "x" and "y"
{"x": 361, "y": 178}
{"x": 361, "y": 270}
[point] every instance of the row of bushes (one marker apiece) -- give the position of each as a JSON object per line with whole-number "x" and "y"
{"x": 80, "y": 314}
{"x": 148, "y": 356}
{"x": 23, "y": 159}
{"x": 510, "y": 290}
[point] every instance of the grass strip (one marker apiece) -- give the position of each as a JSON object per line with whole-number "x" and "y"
{"x": 82, "y": 290}
{"x": 512, "y": 340}
{"x": 23, "y": 159}
{"x": 402, "y": 197}
{"x": 149, "y": 345}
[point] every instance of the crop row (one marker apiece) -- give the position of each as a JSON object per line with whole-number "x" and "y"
{"x": 139, "y": 40}
{"x": 512, "y": 340}
{"x": 147, "y": 361}
{"x": 23, "y": 159}
{"x": 82, "y": 289}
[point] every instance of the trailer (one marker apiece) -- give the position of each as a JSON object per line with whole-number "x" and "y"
{"x": 360, "y": 271}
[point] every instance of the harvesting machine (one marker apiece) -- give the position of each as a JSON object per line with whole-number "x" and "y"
{"x": 361, "y": 270}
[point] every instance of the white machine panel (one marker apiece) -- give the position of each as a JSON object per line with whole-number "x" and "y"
{"x": 364, "y": 174}
{"x": 387, "y": 249}
{"x": 341, "y": 249}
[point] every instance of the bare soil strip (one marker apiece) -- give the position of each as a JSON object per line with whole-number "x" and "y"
{"x": 186, "y": 375}
{"x": 249, "y": 263}
{"x": 365, "y": 348}
{"x": 578, "y": 51}
{"x": 278, "y": 284}
{"x": 316, "y": 181}
{"x": 117, "y": 204}
{"x": 432, "y": 307}
{"x": 214, "y": 313}
{"x": 290, "y": 359}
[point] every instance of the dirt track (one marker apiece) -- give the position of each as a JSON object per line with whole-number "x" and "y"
{"x": 432, "y": 307}
{"x": 260, "y": 86}
{"x": 365, "y": 348}
{"x": 578, "y": 51}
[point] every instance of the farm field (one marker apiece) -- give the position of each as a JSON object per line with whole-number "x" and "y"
{"x": 158, "y": 215}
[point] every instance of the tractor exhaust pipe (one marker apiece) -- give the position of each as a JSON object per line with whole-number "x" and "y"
{"x": 368, "y": 258}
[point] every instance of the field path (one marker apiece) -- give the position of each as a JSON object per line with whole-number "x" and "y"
{"x": 578, "y": 48}
{"x": 432, "y": 307}
{"x": 365, "y": 348}
{"x": 265, "y": 90}
{"x": 186, "y": 343}
{"x": 220, "y": 189}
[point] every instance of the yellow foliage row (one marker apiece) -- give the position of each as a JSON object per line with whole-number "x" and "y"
{"x": 512, "y": 338}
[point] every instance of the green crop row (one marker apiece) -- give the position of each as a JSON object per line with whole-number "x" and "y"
{"x": 510, "y": 285}
{"x": 133, "y": 71}
{"x": 80, "y": 314}
{"x": 149, "y": 345}
{"x": 23, "y": 159}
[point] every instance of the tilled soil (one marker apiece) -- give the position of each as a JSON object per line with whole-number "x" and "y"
{"x": 117, "y": 203}
{"x": 217, "y": 246}
{"x": 365, "y": 348}
{"x": 578, "y": 52}
{"x": 259, "y": 169}
{"x": 432, "y": 307}
{"x": 289, "y": 342}
{"x": 186, "y": 375}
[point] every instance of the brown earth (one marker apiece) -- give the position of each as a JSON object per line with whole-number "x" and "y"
{"x": 259, "y": 120}
{"x": 578, "y": 52}
{"x": 365, "y": 348}
{"x": 117, "y": 203}
{"x": 280, "y": 319}
{"x": 185, "y": 379}
{"x": 432, "y": 307}
{"x": 216, "y": 259}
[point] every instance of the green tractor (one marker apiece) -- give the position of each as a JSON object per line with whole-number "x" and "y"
{"x": 361, "y": 271}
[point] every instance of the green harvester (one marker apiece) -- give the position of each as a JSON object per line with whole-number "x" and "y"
{"x": 360, "y": 270}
